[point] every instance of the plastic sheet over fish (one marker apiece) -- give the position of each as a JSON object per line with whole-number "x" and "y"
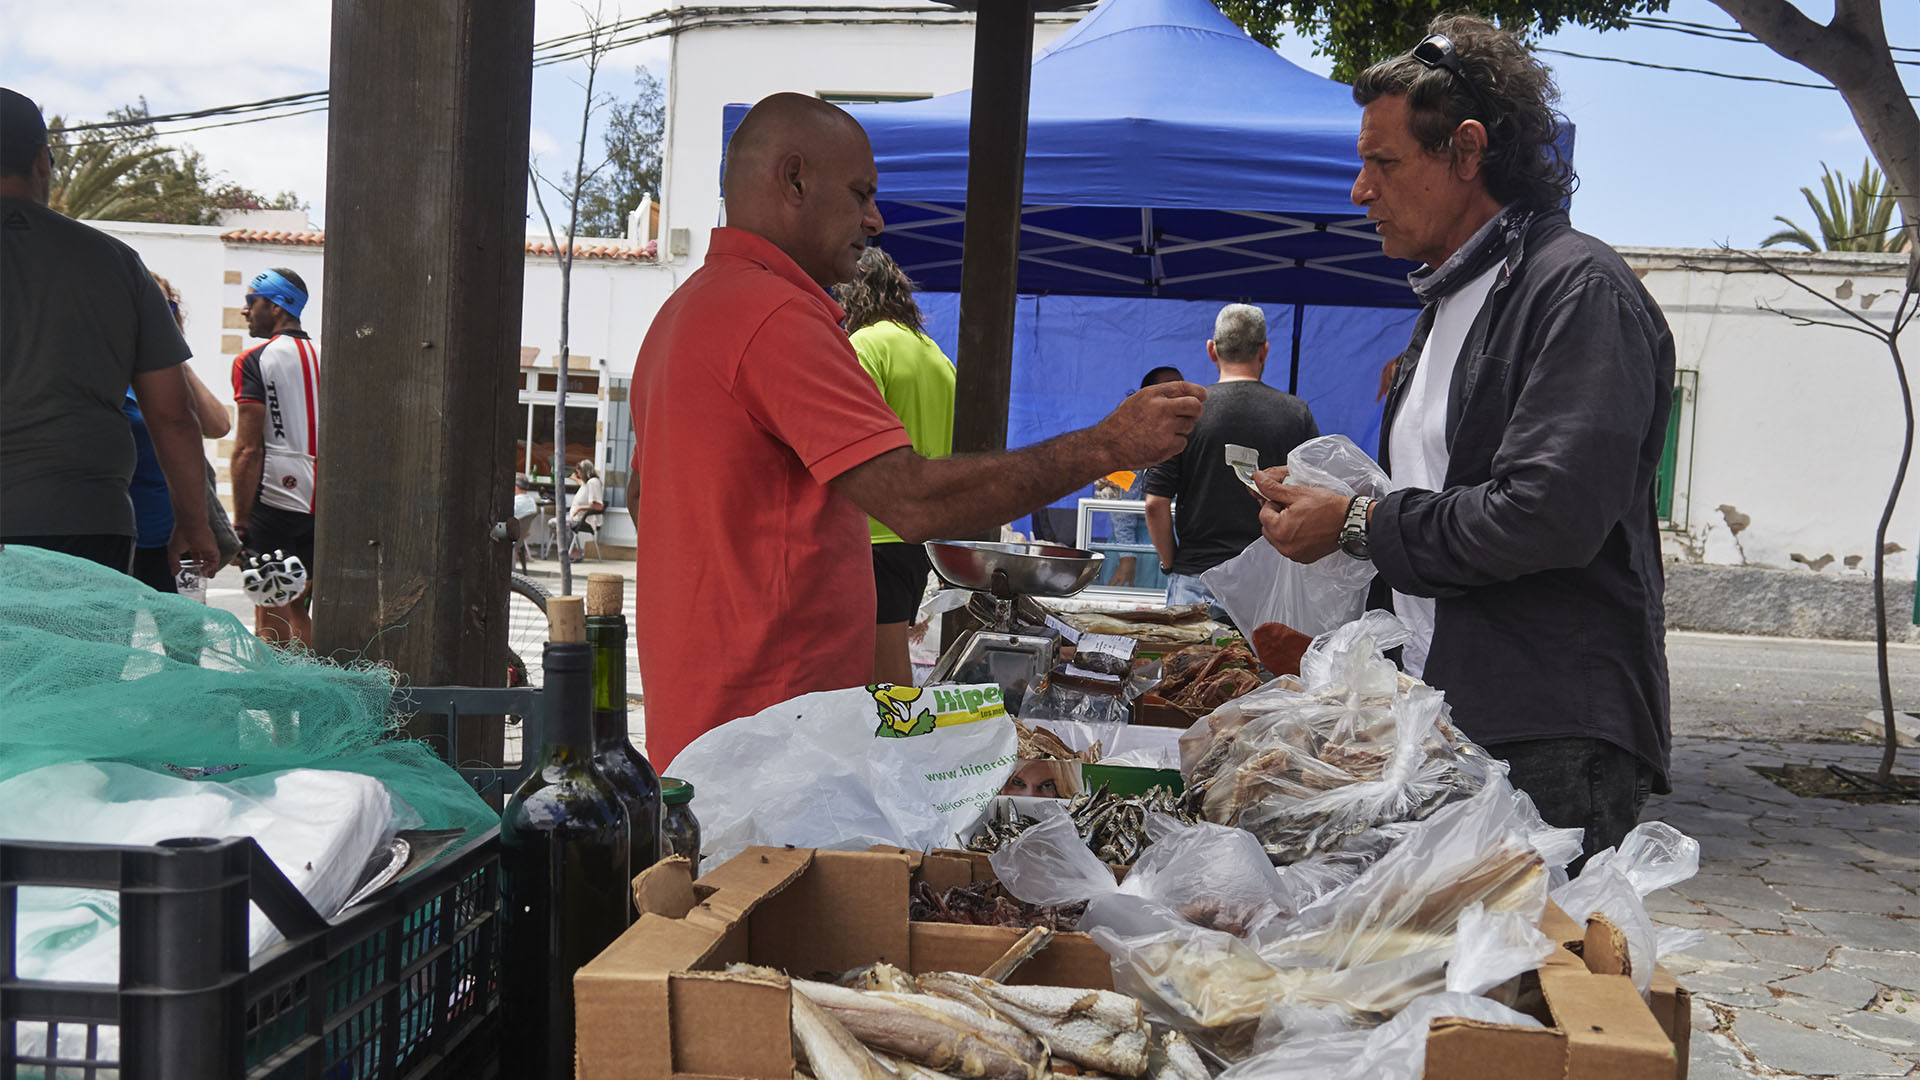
{"x": 1354, "y": 746}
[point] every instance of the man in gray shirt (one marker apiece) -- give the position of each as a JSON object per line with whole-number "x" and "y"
{"x": 1214, "y": 519}
{"x": 80, "y": 320}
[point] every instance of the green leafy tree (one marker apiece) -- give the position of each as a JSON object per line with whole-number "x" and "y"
{"x": 1357, "y": 33}
{"x": 1855, "y": 215}
{"x": 127, "y": 174}
{"x": 632, "y": 170}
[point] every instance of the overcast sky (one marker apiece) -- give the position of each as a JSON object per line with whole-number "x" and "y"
{"x": 1666, "y": 158}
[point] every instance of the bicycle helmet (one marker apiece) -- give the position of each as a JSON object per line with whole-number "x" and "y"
{"x": 274, "y": 580}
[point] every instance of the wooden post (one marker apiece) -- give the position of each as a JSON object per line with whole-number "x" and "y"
{"x": 426, "y": 251}
{"x": 990, "y": 259}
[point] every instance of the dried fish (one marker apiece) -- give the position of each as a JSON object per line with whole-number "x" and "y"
{"x": 986, "y": 903}
{"x": 1173, "y": 1057}
{"x": 1306, "y": 773}
{"x": 1039, "y": 744}
{"x": 1114, "y": 826}
{"x": 1095, "y": 1028}
{"x": 941, "y": 1034}
{"x": 831, "y": 1051}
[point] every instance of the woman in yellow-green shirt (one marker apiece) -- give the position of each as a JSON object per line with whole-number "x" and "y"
{"x": 916, "y": 378}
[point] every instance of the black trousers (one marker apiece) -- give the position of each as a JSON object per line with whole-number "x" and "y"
{"x": 1579, "y": 783}
{"x": 112, "y": 552}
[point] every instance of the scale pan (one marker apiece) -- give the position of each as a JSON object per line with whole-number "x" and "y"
{"x": 1010, "y": 570}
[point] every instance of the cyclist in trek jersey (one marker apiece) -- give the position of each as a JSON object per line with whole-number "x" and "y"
{"x": 277, "y": 389}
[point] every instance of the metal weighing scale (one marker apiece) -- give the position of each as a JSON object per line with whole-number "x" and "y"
{"x": 1017, "y": 642}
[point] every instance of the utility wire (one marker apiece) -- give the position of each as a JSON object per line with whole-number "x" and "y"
{"x": 198, "y": 114}
{"x": 1663, "y": 22}
{"x": 555, "y": 50}
{"x": 1737, "y": 36}
{"x": 1696, "y": 71}
{"x": 614, "y": 35}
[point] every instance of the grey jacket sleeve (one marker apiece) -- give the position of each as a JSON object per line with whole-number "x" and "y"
{"x": 1564, "y": 466}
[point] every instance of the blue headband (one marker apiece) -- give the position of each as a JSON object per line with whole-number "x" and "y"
{"x": 279, "y": 290}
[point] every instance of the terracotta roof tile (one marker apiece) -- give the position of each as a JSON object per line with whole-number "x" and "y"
{"x": 586, "y": 248}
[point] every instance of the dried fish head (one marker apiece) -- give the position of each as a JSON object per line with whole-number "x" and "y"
{"x": 880, "y": 976}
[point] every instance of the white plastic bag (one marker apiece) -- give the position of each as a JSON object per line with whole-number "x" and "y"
{"x": 318, "y": 826}
{"x": 1396, "y": 1050}
{"x": 1260, "y": 585}
{"x": 1615, "y": 883}
{"x": 812, "y": 773}
{"x": 1492, "y": 947}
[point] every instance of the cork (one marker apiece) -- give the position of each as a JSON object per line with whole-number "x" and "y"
{"x": 606, "y": 594}
{"x": 566, "y": 619}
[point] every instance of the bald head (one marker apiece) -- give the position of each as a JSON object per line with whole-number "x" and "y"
{"x": 800, "y": 173}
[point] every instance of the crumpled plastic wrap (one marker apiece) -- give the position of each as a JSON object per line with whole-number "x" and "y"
{"x": 1396, "y": 1050}
{"x": 1260, "y": 585}
{"x": 1226, "y": 947}
{"x": 1615, "y": 883}
{"x": 1357, "y": 745}
{"x": 1405, "y": 905}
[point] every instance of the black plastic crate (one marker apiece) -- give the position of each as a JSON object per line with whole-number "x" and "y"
{"x": 402, "y": 987}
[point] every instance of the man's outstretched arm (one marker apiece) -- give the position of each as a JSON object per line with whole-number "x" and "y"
{"x": 925, "y": 499}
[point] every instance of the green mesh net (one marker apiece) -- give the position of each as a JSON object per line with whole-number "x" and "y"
{"x": 95, "y": 666}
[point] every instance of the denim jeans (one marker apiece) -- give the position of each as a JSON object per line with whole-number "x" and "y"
{"x": 1580, "y": 783}
{"x": 1189, "y": 589}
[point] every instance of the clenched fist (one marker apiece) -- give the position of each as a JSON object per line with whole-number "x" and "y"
{"x": 1152, "y": 424}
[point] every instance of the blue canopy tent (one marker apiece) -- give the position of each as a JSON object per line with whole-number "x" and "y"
{"x": 1173, "y": 163}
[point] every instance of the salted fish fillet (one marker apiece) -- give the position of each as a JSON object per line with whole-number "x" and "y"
{"x": 947, "y": 1036}
{"x": 832, "y": 1052}
{"x": 1095, "y": 1028}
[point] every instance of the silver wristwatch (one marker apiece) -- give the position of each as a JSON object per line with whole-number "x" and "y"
{"x": 1353, "y": 534}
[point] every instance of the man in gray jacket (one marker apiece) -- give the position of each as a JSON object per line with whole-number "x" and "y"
{"x": 1523, "y": 432}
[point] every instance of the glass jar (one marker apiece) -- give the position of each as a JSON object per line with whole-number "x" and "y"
{"x": 681, "y": 828}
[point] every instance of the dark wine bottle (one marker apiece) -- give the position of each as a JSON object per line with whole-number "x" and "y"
{"x": 626, "y": 767}
{"x": 565, "y": 886}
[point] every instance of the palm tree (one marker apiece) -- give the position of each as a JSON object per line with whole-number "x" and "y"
{"x": 1856, "y": 216}
{"x": 91, "y": 176}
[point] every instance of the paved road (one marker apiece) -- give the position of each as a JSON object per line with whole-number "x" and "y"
{"x": 1782, "y": 688}
{"x": 1811, "y": 966}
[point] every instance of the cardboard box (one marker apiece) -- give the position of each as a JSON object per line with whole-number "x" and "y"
{"x": 1598, "y": 1029}
{"x": 658, "y": 1004}
{"x": 1603, "y": 948}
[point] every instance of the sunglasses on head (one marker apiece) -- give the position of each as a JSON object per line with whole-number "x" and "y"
{"x": 1437, "y": 51}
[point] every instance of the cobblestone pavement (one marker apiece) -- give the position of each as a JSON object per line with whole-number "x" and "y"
{"x": 1812, "y": 966}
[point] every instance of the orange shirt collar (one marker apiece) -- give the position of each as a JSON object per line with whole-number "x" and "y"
{"x": 753, "y": 247}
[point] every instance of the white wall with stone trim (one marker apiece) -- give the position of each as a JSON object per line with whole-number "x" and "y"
{"x": 1796, "y": 429}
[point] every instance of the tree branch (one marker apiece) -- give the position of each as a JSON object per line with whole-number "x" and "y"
{"x": 1781, "y": 27}
{"x": 1872, "y": 328}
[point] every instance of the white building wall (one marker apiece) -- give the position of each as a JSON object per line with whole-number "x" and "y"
{"x": 715, "y": 64}
{"x": 1796, "y": 428}
{"x": 613, "y": 301}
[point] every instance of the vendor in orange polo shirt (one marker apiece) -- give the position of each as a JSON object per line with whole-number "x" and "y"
{"x": 760, "y": 445}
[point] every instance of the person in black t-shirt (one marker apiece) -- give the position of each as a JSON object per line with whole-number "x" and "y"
{"x": 1198, "y": 512}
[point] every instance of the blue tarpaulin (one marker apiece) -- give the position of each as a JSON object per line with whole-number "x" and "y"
{"x": 1173, "y": 163}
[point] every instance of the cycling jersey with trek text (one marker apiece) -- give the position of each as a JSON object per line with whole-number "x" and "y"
{"x": 284, "y": 376}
